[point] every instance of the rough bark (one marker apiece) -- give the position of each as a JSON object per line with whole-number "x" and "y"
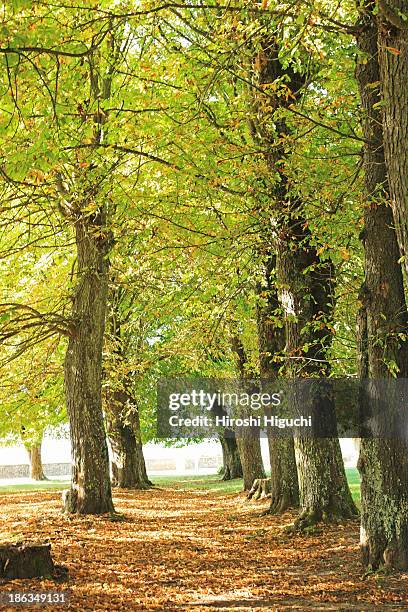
{"x": 91, "y": 488}
{"x": 90, "y": 491}
{"x": 128, "y": 464}
{"x": 383, "y": 463}
{"x": 26, "y": 561}
{"x": 232, "y": 467}
{"x": 248, "y": 438}
{"x": 284, "y": 476}
{"x": 324, "y": 490}
{"x": 122, "y": 413}
{"x": 307, "y": 297}
{"x": 249, "y": 448}
{"x": 34, "y": 456}
{"x": 393, "y": 62}
{"x": 139, "y": 451}
{"x": 283, "y": 487}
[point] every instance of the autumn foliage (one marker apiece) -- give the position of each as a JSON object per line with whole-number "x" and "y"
{"x": 197, "y": 550}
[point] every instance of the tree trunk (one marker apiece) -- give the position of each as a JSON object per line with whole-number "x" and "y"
{"x": 324, "y": 490}
{"x": 248, "y": 438}
{"x": 128, "y": 471}
{"x": 139, "y": 450}
{"x": 307, "y": 298}
{"x": 249, "y": 448}
{"x": 383, "y": 463}
{"x": 91, "y": 488}
{"x": 393, "y": 73}
{"x": 36, "y": 468}
{"x": 122, "y": 414}
{"x": 284, "y": 487}
{"x": 129, "y": 468}
{"x": 90, "y": 491}
{"x": 232, "y": 467}
{"x": 284, "y": 476}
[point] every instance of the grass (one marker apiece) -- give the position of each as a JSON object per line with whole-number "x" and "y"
{"x": 43, "y": 485}
{"x": 182, "y": 483}
{"x": 353, "y": 478}
{"x": 208, "y": 483}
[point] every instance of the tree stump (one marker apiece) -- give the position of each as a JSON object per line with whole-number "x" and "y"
{"x": 260, "y": 489}
{"x": 26, "y": 561}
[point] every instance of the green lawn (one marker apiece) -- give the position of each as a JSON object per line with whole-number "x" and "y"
{"x": 44, "y": 485}
{"x": 209, "y": 483}
{"x": 353, "y": 478}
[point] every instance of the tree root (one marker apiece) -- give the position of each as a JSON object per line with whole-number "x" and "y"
{"x": 308, "y": 519}
{"x": 280, "y": 504}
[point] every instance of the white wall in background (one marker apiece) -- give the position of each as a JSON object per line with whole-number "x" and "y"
{"x": 59, "y": 451}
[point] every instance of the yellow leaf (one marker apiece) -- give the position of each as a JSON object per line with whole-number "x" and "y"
{"x": 345, "y": 254}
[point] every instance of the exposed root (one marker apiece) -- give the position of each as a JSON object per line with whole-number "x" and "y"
{"x": 280, "y": 504}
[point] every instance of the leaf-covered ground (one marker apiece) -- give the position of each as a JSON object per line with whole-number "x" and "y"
{"x": 196, "y": 550}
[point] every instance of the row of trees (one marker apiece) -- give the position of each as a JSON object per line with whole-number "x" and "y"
{"x": 208, "y": 189}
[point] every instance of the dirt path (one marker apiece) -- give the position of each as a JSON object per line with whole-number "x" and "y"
{"x": 196, "y": 550}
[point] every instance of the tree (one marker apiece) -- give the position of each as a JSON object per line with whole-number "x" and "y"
{"x": 199, "y": 145}
{"x": 281, "y": 78}
{"x": 91, "y": 489}
{"x": 76, "y": 175}
{"x": 123, "y": 426}
{"x": 122, "y": 413}
{"x": 232, "y": 466}
{"x": 36, "y": 467}
{"x": 382, "y": 320}
{"x": 393, "y": 74}
{"x": 305, "y": 286}
{"x": 248, "y": 438}
{"x": 284, "y": 486}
